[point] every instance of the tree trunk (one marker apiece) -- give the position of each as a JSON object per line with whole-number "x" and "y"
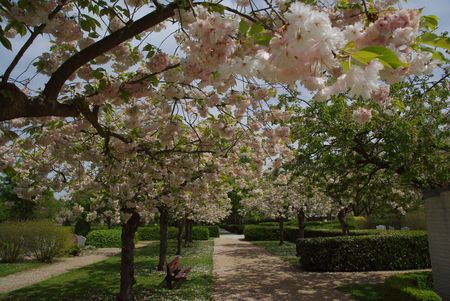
{"x": 180, "y": 236}
{"x": 127, "y": 258}
{"x": 281, "y": 225}
{"x": 301, "y": 223}
{"x": 191, "y": 225}
{"x": 341, "y": 217}
{"x": 186, "y": 231}
{"x": 163, "y": 236}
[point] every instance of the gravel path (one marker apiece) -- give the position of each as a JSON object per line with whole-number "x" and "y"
{"x": 243, "y": 271}
{"x": 22, "y": 279}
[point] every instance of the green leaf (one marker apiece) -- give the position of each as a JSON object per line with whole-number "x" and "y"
{"x": 256, "y": 29}
{"x": 432, "y": 39}
{"x": 398, "y": 103}
{"x": 244, "y": 26}
{"x": 364, "y": 57}
{"x": 385, "y": 55}
{"x": 429, "y": 22}
{"x": 214, "y": 7}
{"x": 263, "y": 40}
{"x": 345, "y": 65}
{"x": 5, "y": 42}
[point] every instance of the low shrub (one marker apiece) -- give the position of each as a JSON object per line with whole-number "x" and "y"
{"x": 74, "y": 250}
{"x": 200, "y": 233}
{"x": 105, "y": 238}
{"x": 152, "y": 233}
{"x": 391, "y": 250}
{"x": 12, "y": 246}
{"x": 410, "y": 287}
{"x": 268, "y": 232}
{"x": 45, "y": 240}
{"x": 214, "y": 231}
{"x": 234, "y": 228}
{"x": 42, "y": 240}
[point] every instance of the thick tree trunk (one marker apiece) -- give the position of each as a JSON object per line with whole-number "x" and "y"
{"x": 186, "y": 232}
{"x": 163, "y": 236}
{"x": 301, "y": 223}
{"x": 180, "y": 236}
{"x": 127, "y": 258}
{"x": 191, "y": 225}
{"x": 341, "y": 217}
{"x": 281, "y": 232}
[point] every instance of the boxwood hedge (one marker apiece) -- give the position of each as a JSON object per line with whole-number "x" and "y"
{"x": 200, "y": 233}
{"x": 397, "y": 250}
{"x": 152, "y": 233}
{"x": 104, "y": 238}
{"x": 269, "y": 232}
{"x": 214, "y": 231}
{"x": 410, "y": 287}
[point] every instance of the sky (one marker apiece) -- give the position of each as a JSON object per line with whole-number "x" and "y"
{"x": 440, "y": 8}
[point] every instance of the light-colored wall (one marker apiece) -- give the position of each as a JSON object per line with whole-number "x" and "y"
{"x": 437, "y": 212}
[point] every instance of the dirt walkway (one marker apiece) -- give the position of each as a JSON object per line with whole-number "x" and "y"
{"x": 243, "y": 271}
{"x": 22, "y": 279}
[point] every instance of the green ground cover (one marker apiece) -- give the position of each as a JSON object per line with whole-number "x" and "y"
{"x": 11, "y": 268}
{"x": 100, "y": 281}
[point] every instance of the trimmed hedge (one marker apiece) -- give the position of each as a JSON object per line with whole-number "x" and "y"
{"x": 200, "y": 233}
{"x": 410, "y": 287}
{"x": 105, "y": 238}
{"x": 214, "y": 231}
{"x": 152, "y": 233}
{"x": 390, "y": 251}
{"x": 269, "y": 232}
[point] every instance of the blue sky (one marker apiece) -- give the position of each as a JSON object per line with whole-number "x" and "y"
{"x": 440, "y": 8}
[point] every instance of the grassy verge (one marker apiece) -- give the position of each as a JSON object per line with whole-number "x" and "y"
{"x": 100, "y": 281}
{"x": 11, "y": 268}
{"x": 364, "y": 291}
{"x": 286, "y": 251}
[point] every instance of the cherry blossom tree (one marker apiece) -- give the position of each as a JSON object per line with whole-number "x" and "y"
{"x": 107, "y": 109}
{"x": 385, "y": 161}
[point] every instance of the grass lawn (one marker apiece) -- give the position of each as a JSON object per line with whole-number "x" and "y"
{"x": 364, "y": 291}
{"x": 11, "y": 268}
{"x": 286, "y": 251}
{"x": 100, "y": 281}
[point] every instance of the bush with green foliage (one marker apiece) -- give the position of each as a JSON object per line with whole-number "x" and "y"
{"x": 270, "y": 232}
{"x": 105, "y": 238}
{"x": 45, "y": 240}
{"x": 75, "y": 250}
{"x": 42, "y": 240}
{"x": 393, "y": 250}
{"x": 200, "y": 233}
{"x": 152, "y": 233}
{"x": 410, "y": 287}
{"x": 12, "y": 246}
{"x": 214, "y": 231}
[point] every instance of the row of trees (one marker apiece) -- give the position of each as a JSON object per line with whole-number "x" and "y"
{"x": 107, "y": 111}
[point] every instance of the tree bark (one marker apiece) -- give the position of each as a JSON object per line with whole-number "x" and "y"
{"x": 186, "y": 231}
{"x": 180, "y": 236}
{"x": 341, "y": 217}
{"x": 281, "y": 232}
{"x": 127, "y": 258}
{"x": 301, "y": 223}
{"x": 163, "y": 236}
{"x": 191, "y": 225}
